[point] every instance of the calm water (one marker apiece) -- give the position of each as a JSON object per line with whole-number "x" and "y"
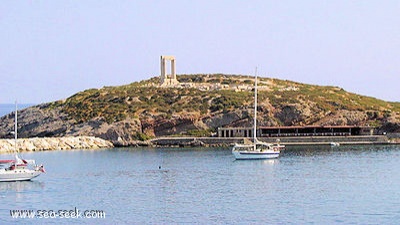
{"x": 351, "y": 185}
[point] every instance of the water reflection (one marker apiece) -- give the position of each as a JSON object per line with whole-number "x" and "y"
{"x": 270, "y": 162}
{"x": 21, "y": 186}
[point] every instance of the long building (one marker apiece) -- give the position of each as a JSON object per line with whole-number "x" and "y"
{"x": 287, "y": 131}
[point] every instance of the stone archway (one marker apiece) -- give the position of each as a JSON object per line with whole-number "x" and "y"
{"x": 168, "y": 79}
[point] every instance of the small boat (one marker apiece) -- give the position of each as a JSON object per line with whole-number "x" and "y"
{"x": 335, "y": 144}
{"x": 257, "y": 149}
{"x": 18, "y": 169}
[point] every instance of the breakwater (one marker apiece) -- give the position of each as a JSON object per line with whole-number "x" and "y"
{"x": 288, "y": 141}
{"x": 53, "y": 143}
{"x": 88, "y": 142}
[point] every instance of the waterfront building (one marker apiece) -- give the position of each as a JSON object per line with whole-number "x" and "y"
{"x": 292, "y": 131}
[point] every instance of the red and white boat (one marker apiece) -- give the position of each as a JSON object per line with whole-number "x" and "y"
{"x": 18, "y": 169}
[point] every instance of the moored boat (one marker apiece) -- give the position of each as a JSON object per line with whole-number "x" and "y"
{"x": 258, "y": 149}
{"x": 18, "y": 169}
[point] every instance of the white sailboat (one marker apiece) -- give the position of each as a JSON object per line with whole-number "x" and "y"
{"x": 258, "y": 149}
{"x": 18, "y": 169}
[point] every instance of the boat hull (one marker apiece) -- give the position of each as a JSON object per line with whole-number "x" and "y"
{"x": 18, "y": 175}
{"x": 255, "y": 154}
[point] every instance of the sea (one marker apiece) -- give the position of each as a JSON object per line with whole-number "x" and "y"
{"x": 305, "y": 185}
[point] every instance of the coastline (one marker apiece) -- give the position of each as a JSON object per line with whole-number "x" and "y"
{"x": 53, "y": 143}
{"x": 90, "y": 142}
{"x": 288, "y": 141}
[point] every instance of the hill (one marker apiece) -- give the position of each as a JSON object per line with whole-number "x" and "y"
{"x": 200, "y": 105}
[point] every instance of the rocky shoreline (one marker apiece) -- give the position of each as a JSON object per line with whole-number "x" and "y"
{"x": 53, "y": 143}
{"x": 90, "y": 142}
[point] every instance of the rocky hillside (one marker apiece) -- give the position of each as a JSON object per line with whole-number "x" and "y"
{"x": 142, "y": 110}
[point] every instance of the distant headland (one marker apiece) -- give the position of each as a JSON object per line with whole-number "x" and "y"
{"x": 196, "y": 106}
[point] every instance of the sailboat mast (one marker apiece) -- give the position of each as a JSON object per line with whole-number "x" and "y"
{"x": 15, "y": 127}
{"x": 255, "y": 109}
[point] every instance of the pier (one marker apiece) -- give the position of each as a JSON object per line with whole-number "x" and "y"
{"x": 288, "y": 141}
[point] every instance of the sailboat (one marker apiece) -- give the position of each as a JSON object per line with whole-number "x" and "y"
{"x": 257, "y": 149}
{"x": 18, "y": 169}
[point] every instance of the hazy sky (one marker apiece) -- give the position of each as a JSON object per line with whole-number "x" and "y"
{"x": 50, "y": 50}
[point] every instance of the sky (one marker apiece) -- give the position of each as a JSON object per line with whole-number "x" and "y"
{"x": 50, "y": 50}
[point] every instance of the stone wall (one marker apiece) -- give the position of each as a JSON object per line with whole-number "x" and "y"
{"x": 59, "y": 143}
{"x": 288, "y": 141}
